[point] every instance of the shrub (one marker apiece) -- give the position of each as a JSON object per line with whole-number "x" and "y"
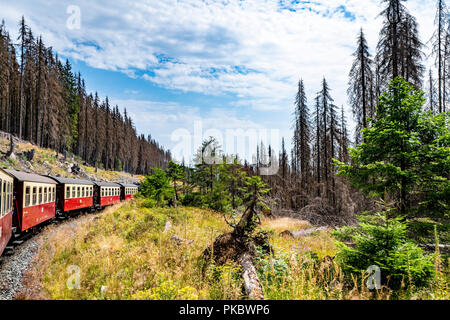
{"x": 157, "y": 187}
{"x": 194, "y": 199}
{"x": 382, "y": 242}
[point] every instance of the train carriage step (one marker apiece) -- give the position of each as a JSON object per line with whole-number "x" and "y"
{"x": 17, "y": 242}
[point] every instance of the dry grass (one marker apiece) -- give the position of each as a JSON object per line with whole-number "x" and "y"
{"x": 279, "y": 225}
{"x": 49, "y": 162}
{"x": 125, "y": 251}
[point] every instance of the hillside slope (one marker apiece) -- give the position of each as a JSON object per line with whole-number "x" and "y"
{"x": 49, "y": 162}
{"x": 129, "y": 252}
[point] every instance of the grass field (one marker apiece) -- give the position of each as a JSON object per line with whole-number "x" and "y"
{"x": 123, "y": 253}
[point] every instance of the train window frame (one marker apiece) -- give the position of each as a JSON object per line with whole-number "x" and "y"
{"x": 40, "y": 195}
{"x": 10, "y": 197}
{"x": 27, "y": 196}
{"x": 68, "y": 192}
{"x": 1, "y": 198}
{"x": 7, "y": 198}
{"x": 73, "y": 193}
{"x": 82, "y": 192}
{"x": 45, "y": 197}
{"x": 34, "y": 196}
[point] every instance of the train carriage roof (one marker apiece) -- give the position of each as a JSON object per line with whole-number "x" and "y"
{"x": 129, "y": 185}
{"x": 30, "y": 177}
{"x": 106, "y": 184}
{"x": 6, "y": 173}
{"x": 62, "y": 180}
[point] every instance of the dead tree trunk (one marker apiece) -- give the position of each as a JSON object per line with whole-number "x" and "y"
{"x": 11, "y": 148}
{"x": 251, "y": 281}
{"x": 239, "y": 246}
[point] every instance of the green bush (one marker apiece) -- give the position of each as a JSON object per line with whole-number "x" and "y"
{"x": 157, "y": 187}
{"x": 382, "y": 242}
{"x": 194, "y": 199}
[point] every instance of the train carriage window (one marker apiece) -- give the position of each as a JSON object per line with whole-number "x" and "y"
{"x": 8, "y": 200}
{"x": 27, "y": 196}
{"x": 54, "y": 194}
{"x": 10, "y": 197}
{"x": 34, "y": 196}
{"x": 4, "y": 198}
{"x": 82, "y": 192}
{"x": 67, "y": 192}
{"x": 73, "y": 192}
{"x": 40, "y": 195}
{"x": 78, "y": 192}
{"x": 1, "y": 198}
{"x": 45, "y": 195}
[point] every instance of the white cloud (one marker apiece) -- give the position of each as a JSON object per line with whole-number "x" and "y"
{"x": 171, "y": 118}
{"x": 254, "y": 49}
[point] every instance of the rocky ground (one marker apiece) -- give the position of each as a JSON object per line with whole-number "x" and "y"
{"x": 12, "y": 269}
{"x": 16, "y": 282}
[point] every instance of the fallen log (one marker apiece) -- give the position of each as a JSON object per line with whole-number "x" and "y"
{"x": 301, "y": 233}
{"x": 443, "y": 248}
{"x": 240, "y": 244}
{"x": 249, "y": 275}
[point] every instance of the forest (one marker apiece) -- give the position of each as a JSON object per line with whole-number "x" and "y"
{"x": 387, "y": 193}
{"x": 348, "y": 215}
{"x": 43, "y": 101}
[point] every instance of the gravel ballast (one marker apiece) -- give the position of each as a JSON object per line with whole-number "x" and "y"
{"x": 12, "y": 269}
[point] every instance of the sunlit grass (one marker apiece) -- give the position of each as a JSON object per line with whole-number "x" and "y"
{"x": 125, "y": 251}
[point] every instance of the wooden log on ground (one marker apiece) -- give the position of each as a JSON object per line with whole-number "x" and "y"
{"x": 443, "y": 248}
{"x": 249, "y": 275}
{"x": 301, "y": 233}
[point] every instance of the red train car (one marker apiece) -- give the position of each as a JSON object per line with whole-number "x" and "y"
{"x": 73, "y": 195}
{"x": 127, "y": 191}
{"x": 107, "y": 193}
{"x": 35, "y": 198}
{"x": 6, "y": 208}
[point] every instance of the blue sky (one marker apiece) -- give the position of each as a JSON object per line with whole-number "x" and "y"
{"x": 231, "y": 64}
